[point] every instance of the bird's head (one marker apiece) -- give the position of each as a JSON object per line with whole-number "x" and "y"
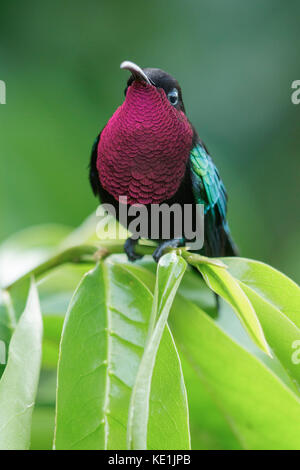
{"x": 155, "y": 80}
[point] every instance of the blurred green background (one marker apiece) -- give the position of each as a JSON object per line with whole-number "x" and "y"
{"x": 235, "y": 61}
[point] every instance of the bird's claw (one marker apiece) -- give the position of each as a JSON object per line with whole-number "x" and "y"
{"x": 129, "y": 250}
{"x": 159, "y": 251}
{"x": 175, "y": 243}
{"x": 132, "y": 256}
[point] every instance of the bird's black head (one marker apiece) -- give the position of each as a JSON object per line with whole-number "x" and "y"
{"x": 161, "y": 79}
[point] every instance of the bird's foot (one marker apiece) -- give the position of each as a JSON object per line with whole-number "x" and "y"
{"x": 175, "y": 243}
{"x": 129, "y": 249}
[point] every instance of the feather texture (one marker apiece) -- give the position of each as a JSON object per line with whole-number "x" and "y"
{"x": 209, "y": 190}
{"x": 212, "y": 191}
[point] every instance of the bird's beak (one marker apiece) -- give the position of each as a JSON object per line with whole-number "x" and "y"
{"x": 136, "y": 71}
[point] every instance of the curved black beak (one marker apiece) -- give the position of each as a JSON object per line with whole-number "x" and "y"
{"x": 136, "y": 71}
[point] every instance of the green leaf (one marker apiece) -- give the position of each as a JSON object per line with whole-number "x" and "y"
{"x": 276, "y": 300}
{"x": 223, "y": 284}
{"x": 261, "y": 410}
{"x": 281, "y": 328}
{"x": 209, "y": 428}
{"x": 103, "y": 341}
{"x": 268, "y": 283}
{"x": 19, "y": 381}
{"x": 12, "y": 305}
{"x": 169, "y": 274}
{"x": 168, "y": 422}
{"x": 7, "y": 319}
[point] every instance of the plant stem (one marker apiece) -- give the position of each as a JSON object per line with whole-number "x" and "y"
{"x": 81, "y": 254}
{"x": 75, "y": 254}
{"x": 93, "y": 254}
{"x": 195, "y": 259}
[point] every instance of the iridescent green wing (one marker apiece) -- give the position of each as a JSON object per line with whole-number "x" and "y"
{"x": 208, "y": 187}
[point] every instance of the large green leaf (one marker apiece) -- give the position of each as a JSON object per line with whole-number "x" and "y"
{"x": 169, "y": 274}
{"x": 223, "y": 284}
{"x": 262, "y": 411}
{"x": 268, "y": 283}
{"x": 191, "y": 288}
{"x": 19, "y": 381}
{"x": 103, "y": 341}
{"x": 280, "y": 331}
{"x": 168, "y": 422}
{"x": 209, "y": 428}
{"x": 276, "y": 300}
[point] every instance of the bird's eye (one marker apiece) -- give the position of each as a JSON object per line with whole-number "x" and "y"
{"x": 173, "y": 96}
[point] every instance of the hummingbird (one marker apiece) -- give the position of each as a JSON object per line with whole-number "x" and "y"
{"x": 150, "y": 153}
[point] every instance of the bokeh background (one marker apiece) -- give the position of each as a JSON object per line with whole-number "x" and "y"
{"x": 235, "y": 61}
